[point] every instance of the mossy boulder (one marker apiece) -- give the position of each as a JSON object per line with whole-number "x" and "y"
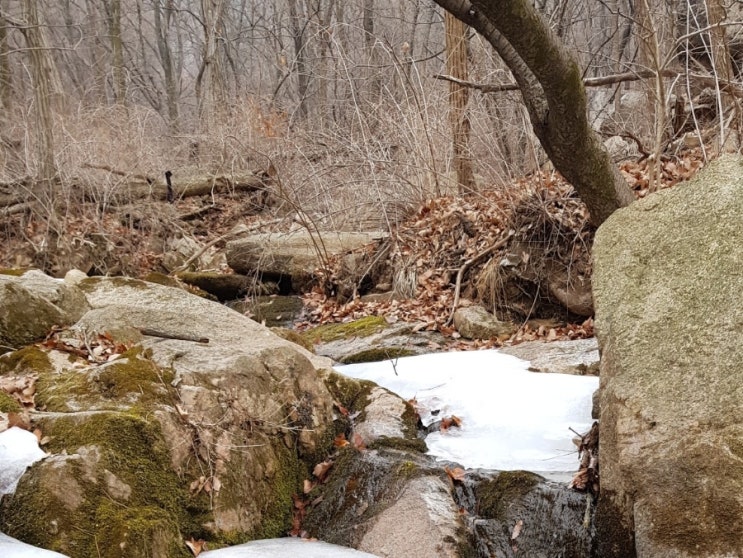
{"x": 174, "y": 438}
{"x": 669, "y": 320}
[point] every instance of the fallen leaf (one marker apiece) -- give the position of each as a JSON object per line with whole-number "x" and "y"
{"x": 517, "y": 529}
{"x": 196, "y": 546}
{"x": 340, "y": 441}
{"x": 358, "y": 442}
{"x": 341, "y": 409}
{"x": 456, "y": 474}
{"x": 308, "y": 486}
{"x": 321, "y": 470}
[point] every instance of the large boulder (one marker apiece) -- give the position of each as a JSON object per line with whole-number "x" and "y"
{"x": 205, "y": 427}
{"x": 31, "y": 303}
{"x": 669, "y": 317}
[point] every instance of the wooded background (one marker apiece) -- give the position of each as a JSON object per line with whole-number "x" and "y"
{"x": 343, "y": 99}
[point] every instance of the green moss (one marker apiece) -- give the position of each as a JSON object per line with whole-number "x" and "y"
{"x": 13, "y": 271}
{"x": 351, "y": 393}
{"x": 402, "y": 444}
{"x": 162, "y": 279}
{"x": 89, "y": 284}
{"x": 294, "y": 337}
{"x": 100, "y": 525}
{"x": 134, "y": 375}
{"x": 376, "y": 354}
{"x": 495, "y": 495}
{"x": 8, "y": 404}
{"x": 57, "y": 392}
{"x": 359, "y": 328}
{"x": 27, "y": 360}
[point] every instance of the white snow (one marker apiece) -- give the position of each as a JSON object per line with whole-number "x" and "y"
{"x": 19, "y": 449}
{"x": 512, "y": 419}
{"x": 286, "y": 548}
{"x": 12, "y": 548}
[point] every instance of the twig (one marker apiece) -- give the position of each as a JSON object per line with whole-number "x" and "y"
{"x": 166, "y": 335}
{"x": 727, "y": 86}
{"x": 469, "y": 263}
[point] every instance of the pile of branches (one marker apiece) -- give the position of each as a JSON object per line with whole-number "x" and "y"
{"x": 505, "y": 249}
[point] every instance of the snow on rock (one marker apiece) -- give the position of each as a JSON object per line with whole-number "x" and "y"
{"x": 512, "y": 419}
{"x": 12, "y": 548}
{"x": 286, "y": 548}
{"x": 19, "y": 449}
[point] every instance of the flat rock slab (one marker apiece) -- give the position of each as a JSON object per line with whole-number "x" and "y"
{"x": 566, "y": 357}
{"x": 296, "y": 254}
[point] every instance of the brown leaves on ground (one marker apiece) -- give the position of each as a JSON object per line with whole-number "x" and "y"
{"x": 20, "y": 388}
{"x": 205, "y": 484}
{"x": 447, "y": 422}
{"x": 320, "y": 472}
{"x": 99, "y": 349}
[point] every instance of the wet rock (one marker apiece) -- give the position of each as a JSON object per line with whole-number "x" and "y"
{"x": 667, "y": 284}
{"x": 224, "y": 286}
{"x": 516, "y": 513}
{"x": 389, "y": 503}
{"x": 371, "y": 339}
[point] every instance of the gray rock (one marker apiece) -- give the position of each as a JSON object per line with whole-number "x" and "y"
{"x": 474, "y": 322}
{"x": 566, "y": 357}
{"x": 668, "y": 276}
{"x": 389, "y": 503}
{"x": 25, "y": 317}
{"x": 223, "y": 430}
{"x": 297, "y": 254}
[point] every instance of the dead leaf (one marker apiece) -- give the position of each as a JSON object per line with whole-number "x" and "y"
{"x": 358, "y": 441}
{"x": 196, "y": 546}
{"x": 340, "y": 441}
{"x": 456, "y": 474}
{"x": 321, "y": 470}
{"x": 517, "y": 529}
{"x": 308, "y": 486}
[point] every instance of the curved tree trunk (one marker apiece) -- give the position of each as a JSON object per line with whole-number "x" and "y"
{"x": 551, "y": 85}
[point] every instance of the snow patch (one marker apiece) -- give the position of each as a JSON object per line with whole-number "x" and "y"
{"x": 512, "y": 419}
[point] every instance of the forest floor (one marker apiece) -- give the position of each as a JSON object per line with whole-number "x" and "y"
{"x": 446, "y": 250}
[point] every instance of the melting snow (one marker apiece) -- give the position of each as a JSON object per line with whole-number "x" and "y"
{"x": 511, "y": 418}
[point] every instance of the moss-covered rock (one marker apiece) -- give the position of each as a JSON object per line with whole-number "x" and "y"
{"x": 362, "y": 327}
{"x": 172, "y": 439}
{"x": 24, "y": 316}
{"x": 109, "y": 491}
{"x": 496, "y": 495}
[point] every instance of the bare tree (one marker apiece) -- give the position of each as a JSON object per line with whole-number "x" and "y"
{"x": 456, "y": 66}
{"x": 45, "y": 88}
{"x": 552, "y": 88}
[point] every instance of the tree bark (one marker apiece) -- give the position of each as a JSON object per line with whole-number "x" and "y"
{"x": 551, "y": 85}
{"x": 42, "y": 70}
{"x": 162, "y": 31}
{"x": 456, "y": 65}
{"x": 6, "y": 75}
{"x": 114, "y": 30}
